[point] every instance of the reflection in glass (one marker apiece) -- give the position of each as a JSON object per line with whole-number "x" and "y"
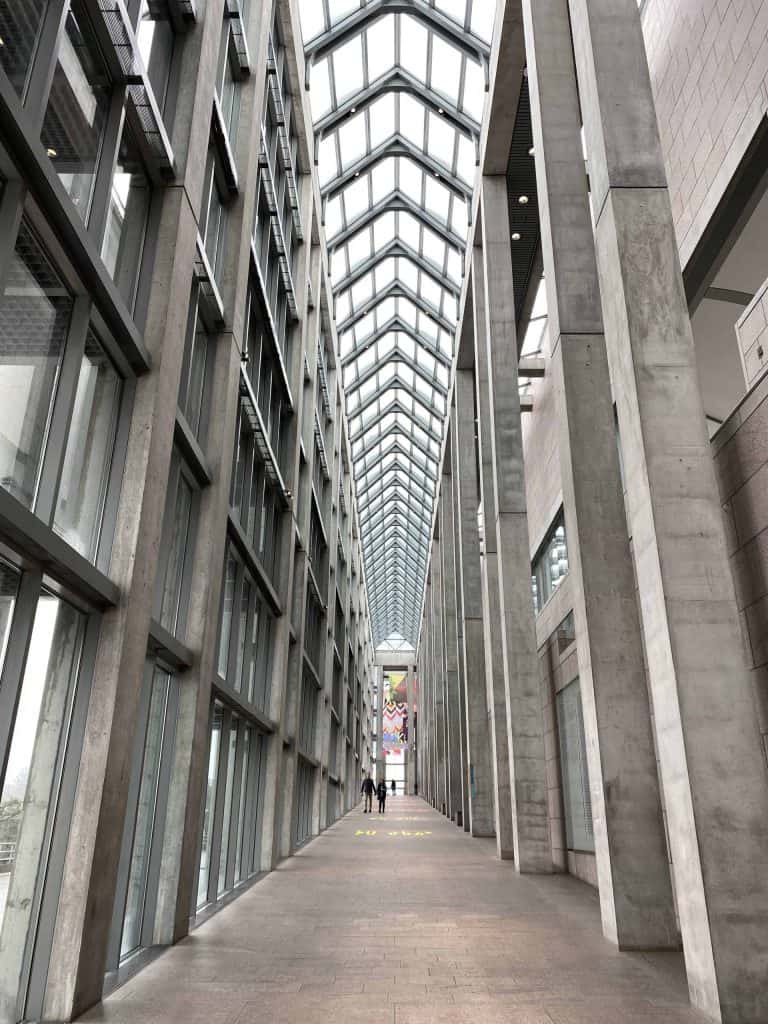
{"x": 227, "y": 604}
{"x": 227, "y": 817}
{"x": 32, "y": 775}
{"x": 9, "y": 586}
{"x": 178, "y": 542}
{"x": 245, "y": 798}
{"x": 127, "y": 218}
{"x": 192, "y": 387}
{"x": 155, "y": 38}
{"x": 145, "y": 815}
{"x": 76, "y": 113}
{"x": 210, "y": 801}
{"x": 35, "y": 308}
{"x": 229, "y": 97}
{"x": 21, "y": 22}
{"x": 242, "y": 633}
{"x": 88, "y": 456}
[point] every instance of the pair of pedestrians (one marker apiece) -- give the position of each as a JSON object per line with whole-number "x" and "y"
{"x": 368, "y": 789}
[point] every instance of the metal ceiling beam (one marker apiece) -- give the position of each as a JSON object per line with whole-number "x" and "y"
{"x": 398, "y": 80}
{"x": 398, "y": 248}
{"x": 395, "y": 356}
{"x": 395, "y": 511}
{"x": 396, "y": 200}
{"x": 395, "y": 383}
{"x": 397, "y": 289}
{"x": 397, "y": 145}
{"x": 394, "y": 407}
{"x": 396, "y": 323}
{"x": 373, "y": 11}
{"x": 392, "y": 468}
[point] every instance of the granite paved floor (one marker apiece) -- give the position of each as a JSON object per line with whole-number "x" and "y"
{"x": 403, "y": 920}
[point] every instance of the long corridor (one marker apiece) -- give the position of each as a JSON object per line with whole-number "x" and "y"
{"x": 403, "y": 919}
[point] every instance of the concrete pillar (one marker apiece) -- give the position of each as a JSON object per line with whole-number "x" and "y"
{"x": 441, "y": 788}
{"x": 632, "y": 863}
{"x": 453, "y": 717}
{"x": 455, "y": 573}
{"x": 713, "y": 774}
{"x": 507, "y": 559}
{"x": 473, "y": 652}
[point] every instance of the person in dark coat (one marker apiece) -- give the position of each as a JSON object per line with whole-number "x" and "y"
{"x": 381, "y": 793}
{"x": 367, "y": 789}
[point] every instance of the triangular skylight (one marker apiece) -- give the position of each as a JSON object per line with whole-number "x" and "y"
{"x": 397, "y": 90}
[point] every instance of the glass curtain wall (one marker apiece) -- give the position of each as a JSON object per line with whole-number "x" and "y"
{"x": 230, "y": 850}
{"x": 143, "y": 837}
{"x": 46, "y": 665}
{"x": 573, "y": 768}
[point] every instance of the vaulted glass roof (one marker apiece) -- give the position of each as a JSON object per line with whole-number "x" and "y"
{"x": 397, "y": 90}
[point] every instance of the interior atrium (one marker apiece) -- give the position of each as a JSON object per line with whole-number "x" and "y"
{"x": 384, "y": 406}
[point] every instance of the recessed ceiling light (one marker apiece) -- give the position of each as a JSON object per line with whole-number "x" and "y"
{"x": 357, "y": 174}
{"x": 440, "y": 110}
{"x": 352, "y": 110}
{"x": 531, "y": 151}
{"x": 523, "y": 200}
{"x": 515, "y": 236}
{"x": 51, "y": 152}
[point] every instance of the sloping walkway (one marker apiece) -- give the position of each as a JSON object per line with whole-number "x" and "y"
{"x": 403, "y": 920}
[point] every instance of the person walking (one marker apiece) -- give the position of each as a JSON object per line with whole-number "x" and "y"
{"x": 393, "y": 787}
{"x": 367, "y": 789}
{"x": 381, "y": 793}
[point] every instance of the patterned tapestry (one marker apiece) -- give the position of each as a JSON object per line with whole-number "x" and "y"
{"x": 395, "y": 711}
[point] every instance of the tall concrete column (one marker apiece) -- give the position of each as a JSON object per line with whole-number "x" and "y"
{"x": 507, "y": 549}
{"x": 453, "y": 717}
{"x": 455, "y": 572}
{"x": 493, "y": 632}
{"x": 441, "y": 787}
{"x": 632, "y": 864}
{"x": 714, "y": 778}
{"x": 473, "y": 652}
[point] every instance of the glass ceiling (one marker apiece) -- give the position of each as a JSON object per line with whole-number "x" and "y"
{"x": 397, "y": 89}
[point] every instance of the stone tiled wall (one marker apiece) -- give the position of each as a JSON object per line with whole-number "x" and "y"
{"x": 740, "y": 450}
{"x": 709, "y": 69}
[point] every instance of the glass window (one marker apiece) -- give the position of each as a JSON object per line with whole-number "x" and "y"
{"x": 30, "y": 783}
{"x": 9, "y": 586}
{"x": 193, "y": 371}
{"x": 573, "y": 768}
{"x": 148, "y": 825}
{"x": 155, "y": 38}
{"x": 226, "y": 822}
{"x": 227, "y": 606}
{"x": 127, "y": 218}
{"x": 178, "y": 546}
{"x": 229, "y": 97}
{"x": 88, "y": 456}
{"x": 215, "y": 217}
{"x": 21, "y": 22}
{"x": 210, "y": 801}
{"x": 35, "y": 308}
{"x": 550, "y": 565}
{"x": 77, "y": 111}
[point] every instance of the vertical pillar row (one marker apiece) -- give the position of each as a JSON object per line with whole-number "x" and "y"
{"x": 632, "y": 863}
{"x": 713, "y": 774}
{"x": 481, "y": 817}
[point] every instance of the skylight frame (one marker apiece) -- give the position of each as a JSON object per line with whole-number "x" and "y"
{"x": 401, "y": 85}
